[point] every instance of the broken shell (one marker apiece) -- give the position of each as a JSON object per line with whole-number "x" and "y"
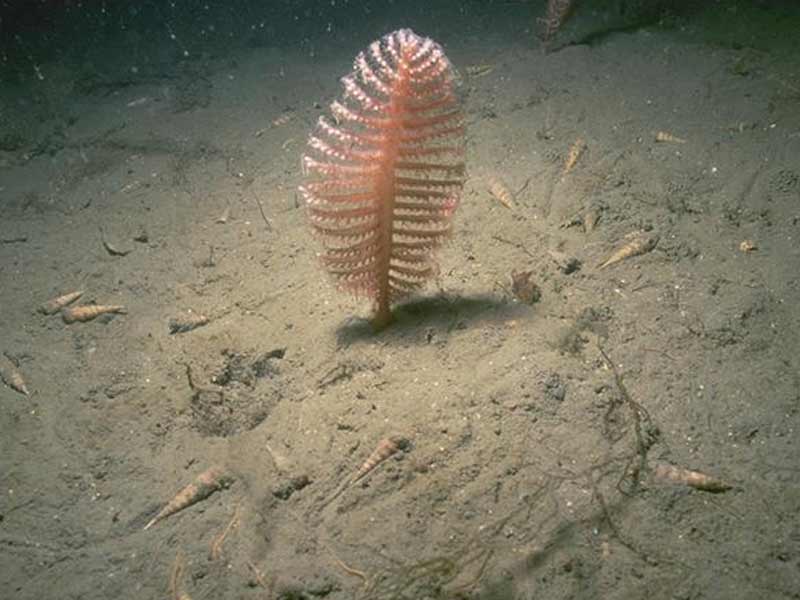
{"x": 524, "y": 288}
{"x": 665, "y": 136}
{"x": 590, "y": 219}
{"x": 575, "y": 152}
{"x": 478, "y": 70}
{"x": 283, "y": 119}
{"x": 187, "y": 322}
{"x": 748, "y": 246}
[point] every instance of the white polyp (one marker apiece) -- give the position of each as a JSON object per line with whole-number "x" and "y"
{"x": 391, "y": 49}
{"x": 354, "y": 90}
{"x": 426, "y": 45}
{"x": 369, "y": 76}
{"x": 432, "y": 60}
{"x": 307, "y": 195}
{"x": 341, "y": 111}
{"x": 326, "y": 149}
{"x": 335, "y": 132}
{"x": 444, "y": 70}
{"x": 387, "y": 72}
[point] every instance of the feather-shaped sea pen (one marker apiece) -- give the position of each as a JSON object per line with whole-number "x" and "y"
{"x": 386, "y": 170}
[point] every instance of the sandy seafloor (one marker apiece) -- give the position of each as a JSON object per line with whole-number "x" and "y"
{"x": 530, "y": 469}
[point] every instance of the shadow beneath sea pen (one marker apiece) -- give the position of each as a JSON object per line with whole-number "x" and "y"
{"x": 415, "y": 319}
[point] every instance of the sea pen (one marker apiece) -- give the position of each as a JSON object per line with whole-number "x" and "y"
{"x": 386, "y": 171}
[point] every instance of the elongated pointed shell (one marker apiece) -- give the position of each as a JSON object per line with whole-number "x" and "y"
{"x": 639, "y": 242}
{"x": 87, "y": 312}
{"x": 12, "y": 377}
{"x": 205, "y": 484}
{"x": 51, "y": 307}
{"x": 386, "y": 448}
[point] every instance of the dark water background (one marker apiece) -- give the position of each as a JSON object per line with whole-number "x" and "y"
{"x": 150, "y": 35}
